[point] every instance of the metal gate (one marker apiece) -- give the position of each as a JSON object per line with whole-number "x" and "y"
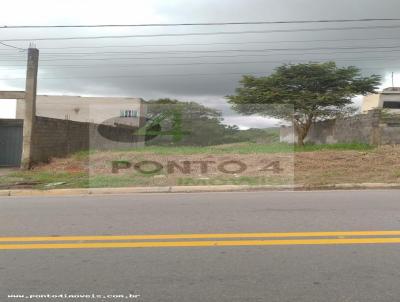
{"x": 10, "y": 142}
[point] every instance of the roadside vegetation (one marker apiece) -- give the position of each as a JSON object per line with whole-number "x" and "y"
{"x": 238, "y": 148}
{"x": 313, "y": 164}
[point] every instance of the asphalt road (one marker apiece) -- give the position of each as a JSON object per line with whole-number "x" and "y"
{"x": 310, "y": 266}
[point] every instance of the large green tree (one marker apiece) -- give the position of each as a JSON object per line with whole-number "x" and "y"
{"x": 302, "y": 93}
{"x": 201, "y": 126}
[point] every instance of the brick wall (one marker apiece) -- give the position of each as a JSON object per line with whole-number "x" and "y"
{"x": 58, "y": 138}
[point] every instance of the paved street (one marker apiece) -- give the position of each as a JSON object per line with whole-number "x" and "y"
{"x": 261, "y": 246}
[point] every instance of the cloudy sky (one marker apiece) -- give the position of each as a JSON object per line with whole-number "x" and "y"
{"x": 200, "y": 63}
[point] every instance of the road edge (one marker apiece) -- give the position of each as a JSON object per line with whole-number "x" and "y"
{"x": 196, "y": 189}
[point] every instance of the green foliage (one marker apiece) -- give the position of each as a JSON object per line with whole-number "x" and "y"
{"x": 302, "y": 93}
{"x": 202, "y": 126}
{"x": 196, "y": 120}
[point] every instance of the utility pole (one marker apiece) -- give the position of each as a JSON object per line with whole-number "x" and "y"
{"x": 392, "y": 79}
{"x": 30, "y": 107}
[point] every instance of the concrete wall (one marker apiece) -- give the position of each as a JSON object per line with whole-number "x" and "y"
{"x": 58, "y": 138}
{"x": 85, "y": 109}
{"x": 375, "y": 128}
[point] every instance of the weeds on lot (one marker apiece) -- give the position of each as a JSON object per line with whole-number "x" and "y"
{"x": 55, "y": 177}
{"x": 240, "y": 148}
{"x": 397, "y": 174}
{"x": 107, "y": 181}
{"x": 338, "y": 147}
{"x": 42, "y": 179}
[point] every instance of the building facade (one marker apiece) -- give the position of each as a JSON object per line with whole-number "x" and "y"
{"x": 96, "y": 110}
{"x": 388, "y": 98}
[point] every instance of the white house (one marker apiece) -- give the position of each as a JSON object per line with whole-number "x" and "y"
{"x": 388, "y": 98}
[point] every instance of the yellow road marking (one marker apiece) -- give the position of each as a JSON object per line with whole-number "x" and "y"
{"x": 198, "y": 243}
{"x": 198, "y": 236}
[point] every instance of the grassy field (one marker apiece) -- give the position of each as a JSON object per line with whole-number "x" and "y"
{"x": 240, "y": 148}
{"x": 312, "y": 165}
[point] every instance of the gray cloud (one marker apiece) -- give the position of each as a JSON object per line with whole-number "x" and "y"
{"x": 128, "y": 78}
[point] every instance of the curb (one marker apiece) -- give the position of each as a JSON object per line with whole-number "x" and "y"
{"x": 196, "y": 189}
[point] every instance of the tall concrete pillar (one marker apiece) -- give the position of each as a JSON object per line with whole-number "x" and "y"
{"x": 30, "y": 107}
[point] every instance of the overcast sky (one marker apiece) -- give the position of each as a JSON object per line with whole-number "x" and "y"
{"x": 130, "y": 67}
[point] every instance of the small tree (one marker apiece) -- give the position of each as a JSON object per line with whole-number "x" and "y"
{"x": 302, "y": 93}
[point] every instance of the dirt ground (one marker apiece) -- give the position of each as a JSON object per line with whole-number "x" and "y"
{"x": 331, "y": 167}
{"x": 309, "y": 168}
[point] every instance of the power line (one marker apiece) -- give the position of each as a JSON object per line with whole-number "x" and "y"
{"x": 221, "y": 43}
{"x": 12, "y": 46}
{"x": 201, "y": 24}
{"x": 222, "y": 50}
{"x": 165, "y": 64}
{"x": 280, "y": 54}
{"x": 204, "y": 63}
{"x": 219, "y": 50}
{"x": 277, "y": 61}
{"x": 206, "y": 33}
{"x": 143, "y": 75}
{"x": 197, "y": 57}
{"x": 392, "y": 48}
{"x": 178, "y": 64}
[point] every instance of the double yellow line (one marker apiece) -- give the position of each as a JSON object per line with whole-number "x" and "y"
{"x": 199, "y": 240}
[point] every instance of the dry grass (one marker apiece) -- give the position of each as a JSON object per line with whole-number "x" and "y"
{"x": 331, "y": 167}
{"x": 317, "y": 166}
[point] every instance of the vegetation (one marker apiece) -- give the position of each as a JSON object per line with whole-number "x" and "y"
{"x": 44, "y": 179}
{"x": 303, "y": 93}
{"x": 237, "y": 148}
{"x": 200, "y": 126}
{"x": 52, "y": 176}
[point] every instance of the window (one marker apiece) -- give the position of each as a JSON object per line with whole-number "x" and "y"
{"x": 391, "y": 105}
{"x": 128, "y": 113}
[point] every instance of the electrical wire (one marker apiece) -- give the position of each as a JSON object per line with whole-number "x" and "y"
{"x": 12, "y": 46}
{"x": 200, "y": 24}
{"x": 223, "y": 50}
{"x": 59, "y": 67}
{"x": 220, "y": 43}
{"x": 206, "y": 33}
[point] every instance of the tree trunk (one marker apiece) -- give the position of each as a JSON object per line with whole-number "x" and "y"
{"x": 302, "y": 129}
{"x": 300, "y": 139}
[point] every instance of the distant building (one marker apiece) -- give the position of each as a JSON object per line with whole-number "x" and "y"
{"x": 388, "y": 98}
{"x": 99, "y": 110}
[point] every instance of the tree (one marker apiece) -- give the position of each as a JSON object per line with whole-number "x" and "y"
{"x": 302, "y": 93}
{"x": 202, "y": 126}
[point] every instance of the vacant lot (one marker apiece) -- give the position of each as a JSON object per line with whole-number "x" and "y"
{"x": 226, "y": 164}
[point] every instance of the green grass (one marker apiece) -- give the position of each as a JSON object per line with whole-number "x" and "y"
{"x": 241, "y": 148}
{"x": 338, "y": 147}
{"x": 40, "y": 180}
{"x": 107, "y": 181}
